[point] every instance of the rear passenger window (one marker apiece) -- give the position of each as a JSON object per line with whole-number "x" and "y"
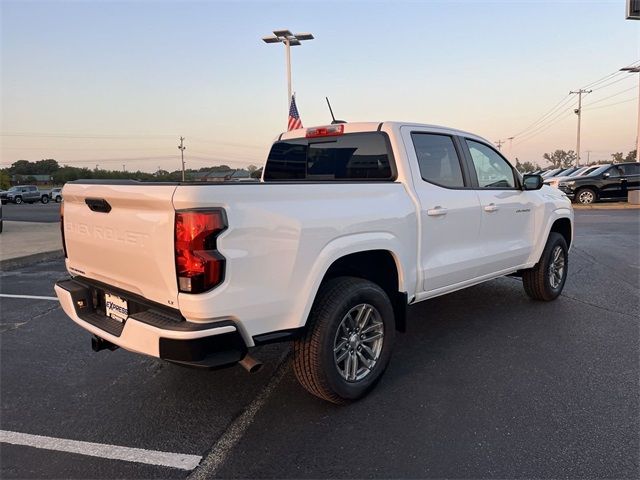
{"x": 438, "y": 159}
{"x": 354, "y": 156}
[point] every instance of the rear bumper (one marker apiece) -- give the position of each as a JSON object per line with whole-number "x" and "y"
{"x": 152, "y": 331}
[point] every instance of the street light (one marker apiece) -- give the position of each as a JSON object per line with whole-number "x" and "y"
{"x": 636, "y": 70}
{"x": 289, "y": 40}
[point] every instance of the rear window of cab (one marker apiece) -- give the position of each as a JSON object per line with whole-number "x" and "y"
{"x": 349, "y": 157}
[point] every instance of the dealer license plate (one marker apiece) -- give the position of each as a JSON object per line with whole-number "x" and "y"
{"x": 116, "y": 307}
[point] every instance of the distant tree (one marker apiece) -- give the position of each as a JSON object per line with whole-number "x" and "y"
{"x": 5, "y": 180}
{"x": 45, "y": 167}
{"x": 631, "y": 156}
{"x": 617, "y": 157}
{"x": 251, "y": 169}
{"x": 257, "y": 173}
{"x": 525, "y": 167}
{"x": 22, "y": 167}
{"x": 561, "y": 158}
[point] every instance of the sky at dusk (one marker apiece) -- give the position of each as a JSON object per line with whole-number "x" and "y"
{"x": 111, "y": 83}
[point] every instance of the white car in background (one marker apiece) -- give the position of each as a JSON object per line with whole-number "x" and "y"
{"x": 555, "y": 181}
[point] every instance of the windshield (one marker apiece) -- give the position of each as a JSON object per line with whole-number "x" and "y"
{"x": 13, "y": 189}
{"x": 600, "y": 170}
{"x": 583, "y": 171}
{"x": 550, "y": 173}
{"x": 579, "y": 171}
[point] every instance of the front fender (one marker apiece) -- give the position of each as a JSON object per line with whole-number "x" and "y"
{"x": 543, "y": 232}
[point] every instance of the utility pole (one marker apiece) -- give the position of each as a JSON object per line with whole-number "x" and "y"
{"x": 499, "y": 144}
{"x": 181, "y": 147}
{"x": 510, "y": 144}
{"x": 578, "y": 112}
{"x": 588, "y": 156}
{"x": 124, "y": 169}
{"x": 636, "y": 70}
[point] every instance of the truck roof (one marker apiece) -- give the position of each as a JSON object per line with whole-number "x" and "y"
{"x": 393, "y": 125}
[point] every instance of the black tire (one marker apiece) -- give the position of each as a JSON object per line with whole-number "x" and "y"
{"x": 58, "y": 199}
{"x": 314, "y": 364}
{"x": 44, "y": 199}
{"x": 537, "y": 281}
{"x": 17, "y": 200}
{"x": 586, "y": 196}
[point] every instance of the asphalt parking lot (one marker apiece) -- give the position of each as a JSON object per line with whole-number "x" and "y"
{"x": 32, "y": 212}
{"x": 485, "y": 384}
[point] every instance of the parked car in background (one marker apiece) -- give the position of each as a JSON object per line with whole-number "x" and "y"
{"x": 555, "y": 181}
{"x": 607, "y": 182}
{"x": 24, "y": 194}
{"x": 0, "y": 217}
{"x": 56, "y": 194}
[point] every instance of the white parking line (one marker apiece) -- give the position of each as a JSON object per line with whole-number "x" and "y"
{"x": 232, "y": 436}
{"x": 32, "y": 297}
{"x": 113, "y": 452}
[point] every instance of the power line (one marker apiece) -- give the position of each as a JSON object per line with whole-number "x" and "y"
{"x": 550, "y": 121}
{"x": 611, "y": 96}
{"x": 547, "y": 127}
{"x": 545, "y": 119}
{"x": 558, "y": 105}
{"x": 633, "y": 99}
{"x": 626, "y": 77}
{"x": 87, "y": 136}
{"x": 607, "y": 77}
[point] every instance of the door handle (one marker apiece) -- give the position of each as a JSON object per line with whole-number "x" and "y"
{"x": 492, "y": 207}
{"x": 437, "y": 211}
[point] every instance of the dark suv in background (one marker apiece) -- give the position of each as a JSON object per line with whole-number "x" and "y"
{"x": 609, "y": 182}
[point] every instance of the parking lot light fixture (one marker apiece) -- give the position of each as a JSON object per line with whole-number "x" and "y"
{"x": 290, "y": 40}
{"x": 636, "y": 70}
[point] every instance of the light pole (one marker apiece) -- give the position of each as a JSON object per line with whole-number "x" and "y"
{"x": 289, "y": 40}
{"x": 636, "y": 70}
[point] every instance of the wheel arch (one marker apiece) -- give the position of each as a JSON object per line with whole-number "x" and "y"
{"x": 379, "y": 267}
{"x": 563, "y": 227}
{"x": 368, "y": 256}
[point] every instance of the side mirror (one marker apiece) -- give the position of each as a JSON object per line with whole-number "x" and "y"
{"x": 606, "y": 175}
{"x": 532, "y": 182}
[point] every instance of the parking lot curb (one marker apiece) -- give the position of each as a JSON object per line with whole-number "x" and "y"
{"x": 624, "y": 206}
{"x": 19, "y": 262}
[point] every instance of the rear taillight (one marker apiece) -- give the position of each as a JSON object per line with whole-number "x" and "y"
{"x": 64, "y": 244}
{"x": 199, "y": 265}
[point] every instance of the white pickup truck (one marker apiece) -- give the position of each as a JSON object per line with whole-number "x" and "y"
{"x": 350, "y": 224}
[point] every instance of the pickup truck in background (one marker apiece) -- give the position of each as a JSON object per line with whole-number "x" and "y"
{"x": 24, "y": 194}
{"x": 350, "y": 225}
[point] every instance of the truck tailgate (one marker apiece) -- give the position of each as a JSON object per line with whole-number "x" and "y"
{"x": 123, "y": 235}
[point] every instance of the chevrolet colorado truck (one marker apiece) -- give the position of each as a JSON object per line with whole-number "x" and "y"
{"x": 349, "y": 225}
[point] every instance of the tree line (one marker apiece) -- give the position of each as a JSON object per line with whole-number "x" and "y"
{"x": 60, "y": 174}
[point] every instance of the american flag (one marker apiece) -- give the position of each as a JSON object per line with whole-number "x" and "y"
{"x": 294, "y": 116}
